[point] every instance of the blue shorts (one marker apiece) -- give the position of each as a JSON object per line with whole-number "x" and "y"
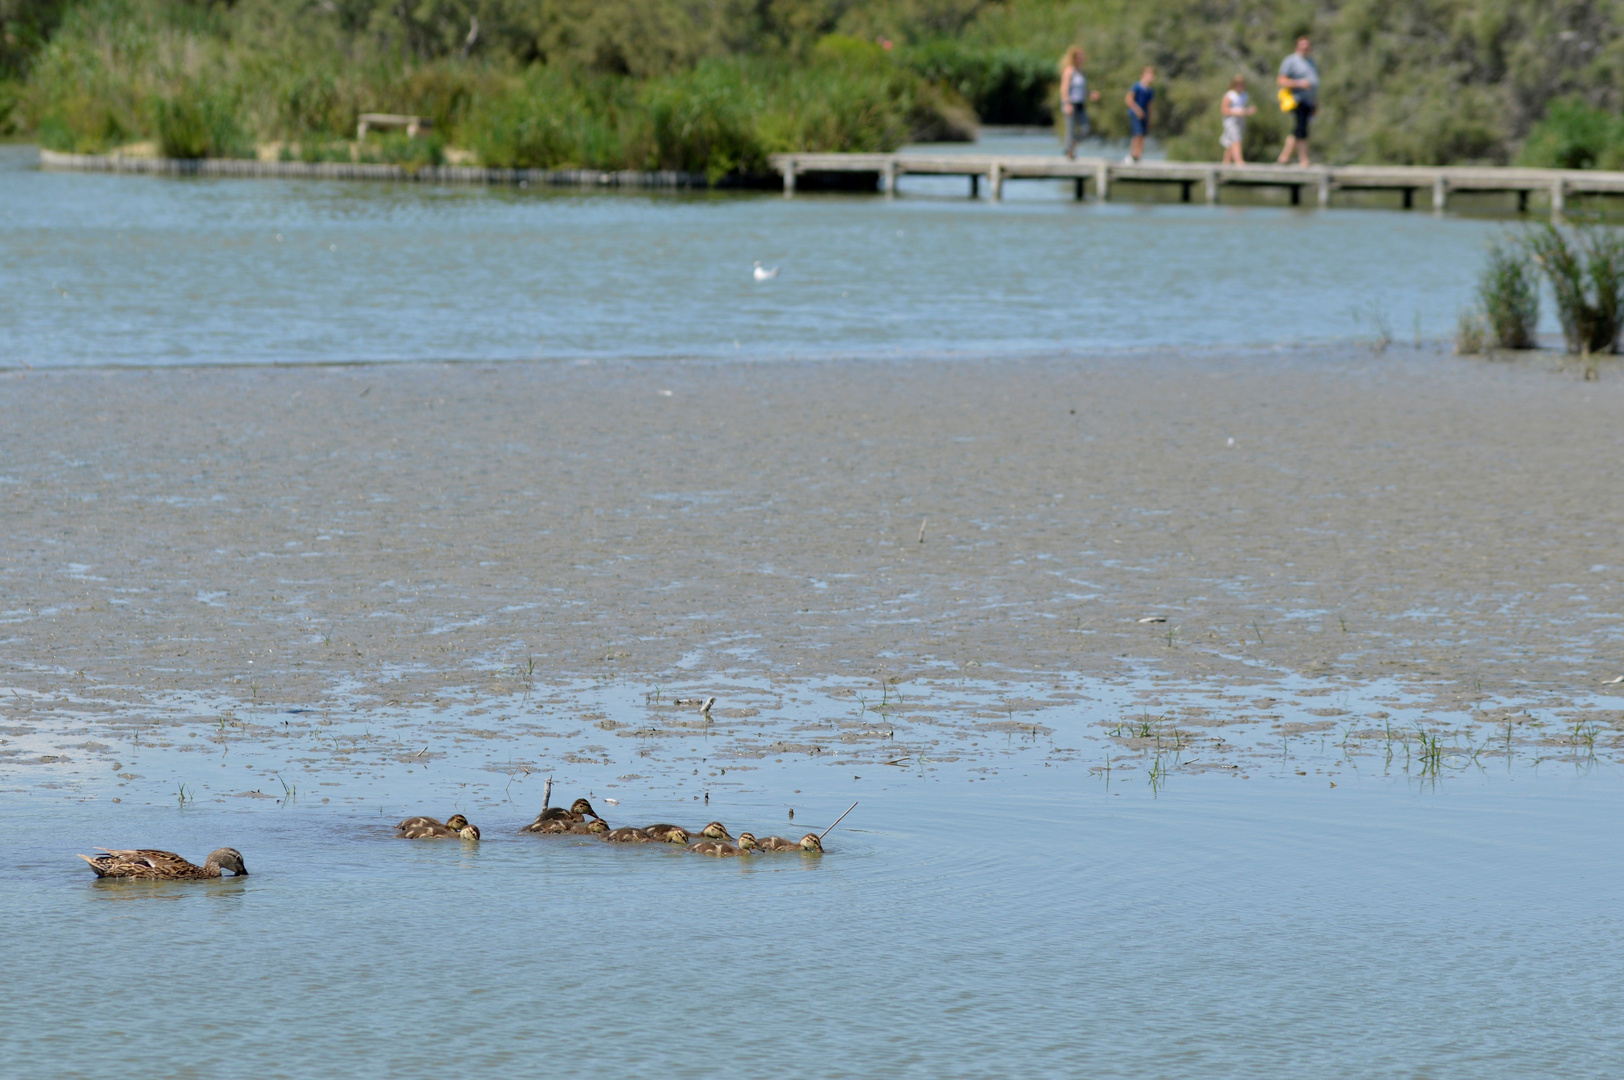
{"x": 1139, "y": 127}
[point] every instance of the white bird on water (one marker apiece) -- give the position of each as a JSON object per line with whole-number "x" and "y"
{"x": 763, "y": 273}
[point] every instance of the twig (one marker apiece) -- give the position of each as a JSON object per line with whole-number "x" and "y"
{"x": 546, "y": 794}
{"x": 838, "y": 820}
{"x": 922, "y": 523}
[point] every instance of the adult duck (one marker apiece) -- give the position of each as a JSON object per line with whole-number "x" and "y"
{"x": 164, "y": 865}
{"x": 426, "y": 828}
{"x": 578, "y": 812}
{"x": 809, "y": 843}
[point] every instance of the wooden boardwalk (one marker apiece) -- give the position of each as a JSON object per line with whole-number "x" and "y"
{"x": 1553, "y": 186}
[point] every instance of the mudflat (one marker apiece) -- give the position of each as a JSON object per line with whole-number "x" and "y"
{"x": 385, "y": 532}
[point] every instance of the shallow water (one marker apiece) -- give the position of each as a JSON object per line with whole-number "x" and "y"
{"x": 152, "y": 271}
{"x": 1377, "y": 929}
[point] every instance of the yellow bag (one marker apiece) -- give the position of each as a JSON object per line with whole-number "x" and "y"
{"x": 1288, "y": 100}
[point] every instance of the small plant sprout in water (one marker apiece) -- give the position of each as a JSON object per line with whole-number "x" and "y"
{"x": 183, "y": 795}
{"x": 290, "y": 792}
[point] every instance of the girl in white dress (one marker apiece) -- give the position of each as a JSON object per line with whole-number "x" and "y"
{"x": 1237, "y": 106}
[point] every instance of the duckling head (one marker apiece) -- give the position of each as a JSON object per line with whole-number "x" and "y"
{"x": 716, "y": 831}
{"x": 583, "y": 808}
{"x": 677, "y": 836}
{"x": 747, "y": 842}
{"x": 810, "y": 842}
{"x": 227, "y": 858}
{"x": 469, "y": 832}
{"x": 456, "y": 823}
{"x": 597, "y": 825}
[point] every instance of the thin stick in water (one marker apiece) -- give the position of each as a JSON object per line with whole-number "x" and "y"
{"x": 922, "y": 523}
{"x": 547, "y": 793}
{"x": 838, "y": 820}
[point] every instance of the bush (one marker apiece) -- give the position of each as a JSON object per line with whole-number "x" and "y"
{"x": 1585, "y": 266}
{"x": 193, "y": 123}
{"x": 1573, "y": 135}
{"x": 1508, "y": 295}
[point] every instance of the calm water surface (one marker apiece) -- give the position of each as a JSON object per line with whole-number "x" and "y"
{"x": 143, "y": 270}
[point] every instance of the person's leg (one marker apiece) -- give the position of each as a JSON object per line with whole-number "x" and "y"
{"x": 1285, "y": 155}
{"x": 1137, "y": 147}
{"x": 1071, "y": 133}
{"x": 1305, "y": 114}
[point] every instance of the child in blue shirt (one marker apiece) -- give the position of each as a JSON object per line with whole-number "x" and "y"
{"x": 1138, "y": 102}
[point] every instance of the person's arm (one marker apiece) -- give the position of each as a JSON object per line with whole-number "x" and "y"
{"x": 1065, "y": 89}
{"x": 1133, "y": 106}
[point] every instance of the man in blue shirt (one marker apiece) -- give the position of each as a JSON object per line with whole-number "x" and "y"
{"x": 1300, "y": 77}
{"x": 1138, "y": 102}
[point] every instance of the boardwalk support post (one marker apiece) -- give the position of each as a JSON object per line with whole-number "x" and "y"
{"x": 996, "y": 181}
{"x": 1102, "y": 182}
{"x": 1212, "y": 187}
{"x": 1324, "y": 190}
{"x": 1558, "y": 197}
{"x": 888, "y": 178}
{"x": 789, "y": 178}
{"x": 975, "y": 185}
{"x": 1079, "y": 189}
{"x": 1440, "y": 194}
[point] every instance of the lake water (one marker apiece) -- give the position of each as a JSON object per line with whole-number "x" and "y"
{"x": 149, "y": 271}
{"x": 1260, "y": 869}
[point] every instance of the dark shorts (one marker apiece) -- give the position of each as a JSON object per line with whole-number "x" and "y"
{"x": 1138, "y": 126}
{"x": 1304, "y": 114}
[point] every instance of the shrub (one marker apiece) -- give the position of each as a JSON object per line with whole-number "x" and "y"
{"x": 191, "y": 122}
{"x": 1508, "y": 297}
{"x": 1573, "y": 135}
{"x": 1585, "y": 266}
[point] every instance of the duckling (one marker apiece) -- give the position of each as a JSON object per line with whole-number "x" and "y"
{"x": 716, "y": 831}
{"x": 579, "y": 811}
{"x": 809, "y": 843}
{"x": 662, "y": 830}
{"x": 667, "y": 834}
{"x": 714, "y": 847}
{"x": 426, "y": 828}
{"x": 596, "y": 827}
{"x": 747, "y": 842}
{"x": 150, "y": 863}
{"x": 629, "y": 835}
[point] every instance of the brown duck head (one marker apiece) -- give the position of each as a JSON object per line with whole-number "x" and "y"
{"x": 227, "y": 859}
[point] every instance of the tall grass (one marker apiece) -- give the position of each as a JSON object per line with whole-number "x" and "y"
{"x": 1508, "y": 294}
{"x": 1585, "y": 267}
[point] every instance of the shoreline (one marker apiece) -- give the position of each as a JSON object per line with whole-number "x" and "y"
{"x": 244, "y": 168}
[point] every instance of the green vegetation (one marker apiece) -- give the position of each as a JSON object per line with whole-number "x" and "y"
{"x": 1507, "y": 311}
{"x": 715, "y": 85}
{"x": 1575, "y": 135}
{"x": 1585, "y": 266}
